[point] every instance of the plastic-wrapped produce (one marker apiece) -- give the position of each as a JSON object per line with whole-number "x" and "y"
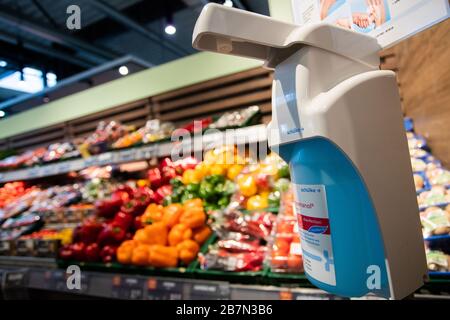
{"x": 285, "y": 253}
{"x": 235, "y": 118}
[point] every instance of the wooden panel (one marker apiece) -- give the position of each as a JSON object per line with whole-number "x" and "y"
{"x": 116, "y": 110}
{"x": 424, "y": 74}
{"x": 259, "y": 83}
{"x": 215, "y": 97}
{"x": 241, "y": 101}
{"x": 42, "y": 139}
{"x": 212, "y": 83}
{"x": 121, "y": 117}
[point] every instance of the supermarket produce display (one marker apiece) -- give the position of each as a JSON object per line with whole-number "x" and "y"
{"x": 433, "y": 196}
{"x": 224, "y": 218}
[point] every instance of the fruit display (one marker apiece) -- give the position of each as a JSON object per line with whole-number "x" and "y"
{"x": 26, "y": 159}
{"x": 433, "y": 197}
{"x": 285, "y": 252}
{"x": 236, "y": 118}
{"x": 259, "y": 185}
{"x": 437, "y": 195}
{"x": 113, "y": 135}
{"x": 58, "y": 151}
{"x": 102, "y": 138}
{"x": 195, "y": 126}
{"x": 168, "y": 237}
{"x": 228, "y": 212}
{"x": 438, "y": 261}
{"x": 435, "y": 221}
{"x": 10, "y": 191}
{"x": 153, "y": 131}
{"x": 241, "y": 244}
{"x": 15, "y": 227}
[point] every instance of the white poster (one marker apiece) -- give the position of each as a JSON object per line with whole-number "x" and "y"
{"x": 388, "y": 20}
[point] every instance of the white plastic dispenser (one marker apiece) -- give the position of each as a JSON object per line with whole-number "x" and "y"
{"x": 336, "y": 120}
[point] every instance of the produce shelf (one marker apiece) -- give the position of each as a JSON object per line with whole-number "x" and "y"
{"x": 19, "y": 274}
{"x": 252, "y": 134}
{"x": 124, "y": 286}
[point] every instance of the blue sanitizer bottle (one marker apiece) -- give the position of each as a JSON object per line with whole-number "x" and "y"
{"x": 337, "y": 121}
{"x": 339, "y": 231}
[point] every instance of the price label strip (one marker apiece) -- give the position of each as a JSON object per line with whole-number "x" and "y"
{"x": 129, "y": 288}
{"x": 208, "y": 291}
{"x": 159, "y": 289}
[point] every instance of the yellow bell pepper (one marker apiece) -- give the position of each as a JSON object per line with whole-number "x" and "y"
{"x": 234, "y": 171}
{"x": 218, "y": 169}
{"x": 202, "y": 170}
{"x": 257, "y": 202}
{"x": 247, "y": 185}
{"x": 191, "y": 176}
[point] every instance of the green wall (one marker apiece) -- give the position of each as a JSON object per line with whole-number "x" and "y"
{"x": 173, "y": 75}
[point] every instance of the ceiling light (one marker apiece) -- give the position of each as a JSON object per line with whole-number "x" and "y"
{"x": 3, "y": 63}
{"x": 123, "y": 70}
{"x": 170, "y": 29}
{"x": 2, "y": 113}
{"x": 228, "y": 3}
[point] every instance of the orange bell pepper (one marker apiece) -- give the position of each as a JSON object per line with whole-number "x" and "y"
{"x": 193, "y": 217}
{"x": 153, "y": 213}
{"x": 187, "y": 250}
{"x": 156, "y": 233}
{"x": 201, "y": 234}
{"x": 193, "y": 203}
{"x": 140, "y": 236}
{"x": 125, "y": 251}
{"x": 179, "y": 233}
{"x": 163, "y": 257}
{"x": 140, "y": 255}
{"x": 172, "y": 214}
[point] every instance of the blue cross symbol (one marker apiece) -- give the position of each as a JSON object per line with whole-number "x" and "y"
{"x": 328, "y": 261}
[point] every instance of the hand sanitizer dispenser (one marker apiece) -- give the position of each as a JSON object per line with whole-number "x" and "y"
{"x": 336, "y": 120}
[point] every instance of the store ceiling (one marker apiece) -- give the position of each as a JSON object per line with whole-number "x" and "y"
{"x": 33, "y": 33}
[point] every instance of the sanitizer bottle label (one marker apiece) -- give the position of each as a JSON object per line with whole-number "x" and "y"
{"x": 315, "y": 233}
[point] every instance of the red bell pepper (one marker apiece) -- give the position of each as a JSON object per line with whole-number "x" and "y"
{"x": 143, "y": 196}
{"x": 78, "y": 251}
{"x": 162, "y": 192}
{"x": 92, "y": 252}
{"x": 154, "y": 177}
{"x": 88, "y": 232}
{"x": 120, "y": 195}
{"x": 108, "y": 253}
{"x": 123, "y": 220}
{"x": 168, "y": 173}
{"x": 111, "y": 235}
{"x": 106, "y": 208}
{"x": 130, "y": 207}
{"x": 166, "y": 162}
